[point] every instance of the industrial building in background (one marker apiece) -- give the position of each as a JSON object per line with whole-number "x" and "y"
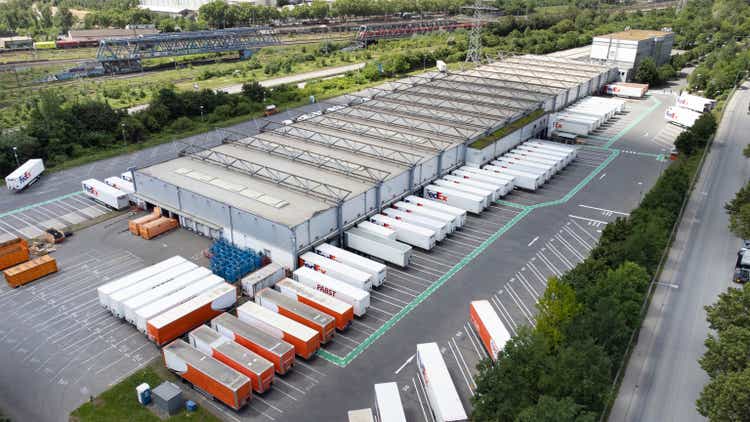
{"x": 627, "y": 49}
{"x": 294, "y": 186}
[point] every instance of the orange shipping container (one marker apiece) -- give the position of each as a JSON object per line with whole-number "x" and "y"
{"x": 306, "y": 341}
{"x": 30, "y": 271}
{"x": 13, "y": 252}
{"x": 206, "y": 373}
{"x": 135, "y": 224}
{"x": 157, "y": 227}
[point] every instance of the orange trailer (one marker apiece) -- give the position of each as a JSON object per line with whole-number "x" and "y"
{"x": 30, "y": 271}
{"x": 13, "y": 252}
{"x": 491, "y": 330}
{"x": 278, "y": 352}
{"x": 208, "y": 374}
{"x": 242, "y": 360}
{"x": 308, "y": 316}
{"x": 306, "y": 341}
{"x": 341, "y": 311}
{"x": 179, "y": 320}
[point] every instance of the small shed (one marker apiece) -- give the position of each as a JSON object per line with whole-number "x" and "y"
{"x": 168, "y": 398}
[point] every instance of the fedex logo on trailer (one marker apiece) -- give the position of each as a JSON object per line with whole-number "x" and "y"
{"x": 436, "y": 196}
{"x": 671, "y": 114}
{"x": 312, "y": 266}
{"x": 682, "y": 101}
{"x": 24, "y": 177}
{"x": 558, "y": 125}
{"x": 91, "y": 190}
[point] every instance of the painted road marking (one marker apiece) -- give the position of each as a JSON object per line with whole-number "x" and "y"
{"x": 590, "y": 220}
{"x": 416, "y": 390}
{"x": 604, "y": 210}
{"x": 404, "y": 365}
{"x": 471, "y": 336}
{"x": 533, "y": 241}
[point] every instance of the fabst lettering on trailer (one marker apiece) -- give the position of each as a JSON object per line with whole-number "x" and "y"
{"x": 326, "y": 290}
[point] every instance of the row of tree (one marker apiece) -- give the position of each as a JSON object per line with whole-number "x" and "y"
{"x": 35, "y": 19}
{"x": 727, "y": 358}
{"x": 562, "y": 369}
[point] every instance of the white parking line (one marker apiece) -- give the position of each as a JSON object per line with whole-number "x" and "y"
{"x": 570, "y": 247}
{"x": 578, "y": 238}
{"x": 466, "y": 367}
{"x": 404, "y": 364}
{"x": 504, "y": 312}
{"x": 527, "y": 285}
{"x": 604, "y": 210}
{"x": 390, "y": 286}
{"x": 471, "y": 335}
{"x": 564, "y": 259}
{"x": 416, "y": 391}
{"x": 431, "y": 259}
{"x": 460, "y": 368}
{"x": 426, "y": 401}
{"x": 278, "y": 379}
{"x": 581, "y": 228}
{"x": 548, "y": 263}
{"x": 377, "y": 295}
{"x": 534, "y": 270}
{"x": 591, "y": 220}
{"x": 519, "y": 303}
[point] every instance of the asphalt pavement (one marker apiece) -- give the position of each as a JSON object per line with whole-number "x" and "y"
{"x": 663, "y": 378}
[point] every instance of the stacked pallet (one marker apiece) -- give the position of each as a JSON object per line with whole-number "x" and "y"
{"x": 13, "y": 252}
{"x": 152, "y": 225}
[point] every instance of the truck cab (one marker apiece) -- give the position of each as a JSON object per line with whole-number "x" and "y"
{"x": 742, "y": 266}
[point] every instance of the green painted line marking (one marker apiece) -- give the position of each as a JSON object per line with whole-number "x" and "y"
{"x": 635, "y": 122}
{"x": 511, "y": 204}
{"x": 38, "y": 204}
{"x": 525, "y": 210}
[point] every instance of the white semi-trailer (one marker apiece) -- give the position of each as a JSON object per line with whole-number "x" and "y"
{"x": 25, "y": 175}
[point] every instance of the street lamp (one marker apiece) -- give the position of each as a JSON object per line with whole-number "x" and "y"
{"x": 124, "y": 139}
{"x": 15, "y": 154}
{"x": 202, "y": 113}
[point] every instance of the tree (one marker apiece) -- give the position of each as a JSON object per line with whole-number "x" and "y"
{"x": 551, "y": 409}
{"x": 726, "y": 397}
{"x": 254, "y": 91}
{"x": 65, "y": 19}
{"x": 732, "y": 309}
{"x": 506, "y": 387}
{"x": 557, "y": 308}
{"x": 730, "y": 352}
{"x": 646, "y": 72}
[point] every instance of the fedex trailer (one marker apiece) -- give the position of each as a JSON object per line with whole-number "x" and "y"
{"x": 120, "y": 184}
{"x": 196, "y": 311}
{"x": 117, "y": 298}
{"x": 306, "y": 341}
{"x": 134, "y": 303}
{"x": 524, "y": 180}
{"x": 491, "y": 330}
{"x": 695, "y": 103}
{"x": 105, "y": 290}
{"x": 208, "y": 374}
{"x": 337, "y": 270}
{"x": 498, "y": 190}
{"x": 156, "y": 308}
{"x": 472, "y": 203}
{"x": 506, "y": 184}
{"x": 377, "y": 230}
{"x": 458, "y": 213}
{"x": 241, "y": 359}
{"x": 441, "y": 392}
{"x": 358, "y": 298}
{"x": 388, "y": 250}
{"x": 272, "y": 349}
{"x": 310, "y": 317}
{"x": 487, "y": 194}
{"x": 627, "y": 90}
{"x": 25, "y": 175}
{"x": 566, "y": 156}
{"x": 547, "y": 169}
{"x": 428, "y": 213}
{"x": 408, "y": 233}
{"x": 376, "y": 270}
{"x": 490, "y": 175}
{"x": 439, "y": 227}
{"x": 342, "y": 312}
{"x": 522, "y": 165}
{"x": 557, "y": 163}
{"x": 555, "y": 146}
{"x": 681, "y": 116}
{"x": 105, "y": 194}
{"x": 568, "y": 125}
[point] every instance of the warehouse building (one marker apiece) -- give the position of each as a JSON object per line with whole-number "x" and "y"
{"x": 627, "y": 49}
{"x": 297, "y": 185}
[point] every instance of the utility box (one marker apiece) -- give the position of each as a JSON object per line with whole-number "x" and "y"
{"x": 168, "y": 398}
{"x": 144, "y": 393}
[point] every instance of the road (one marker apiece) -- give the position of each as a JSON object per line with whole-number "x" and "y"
{"x": 663, "y": 378}
{"x": 301, "y": 77}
